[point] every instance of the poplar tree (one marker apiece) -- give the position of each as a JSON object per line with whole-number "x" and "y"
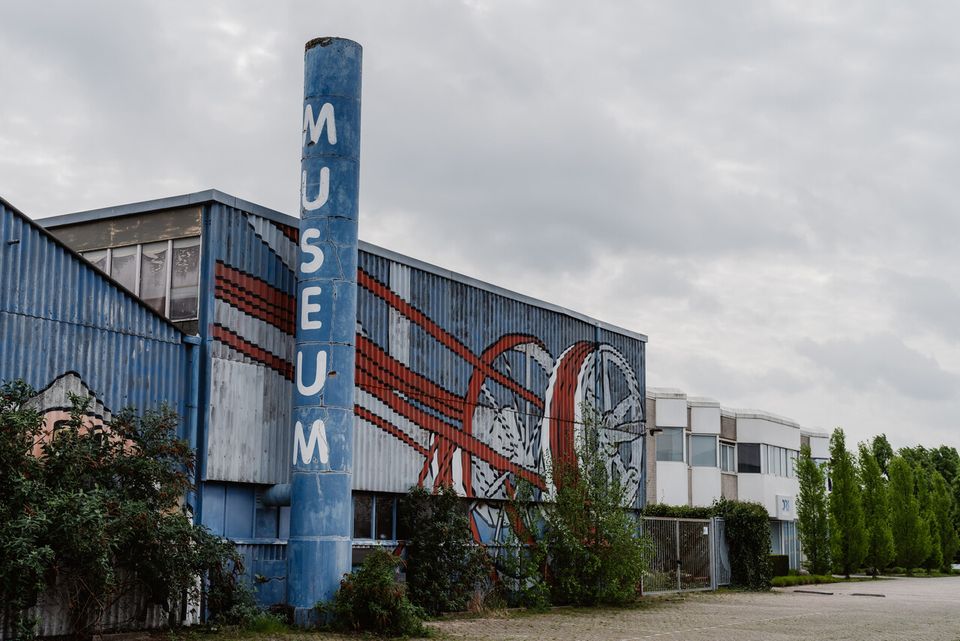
{"x": 911, "y": 537}
{"x": 923, "y": 480}
{"x": 876, "y": 512}
{"x": 812, "y": 513}
{"x": 943, "y": 508}
{"x": 882, "y": 452}
{"x": 848, "y": 537}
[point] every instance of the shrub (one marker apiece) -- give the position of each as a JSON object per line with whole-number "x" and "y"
{"x": 678, "y": 511}
{"x": 748, "y": 537}
{"x": 779, "y": 565}
{"x": 372, "y": 600}
{"x": 97, "y": 513}
{"x": 810, "y": 579}
{"x": 444, "y": 566}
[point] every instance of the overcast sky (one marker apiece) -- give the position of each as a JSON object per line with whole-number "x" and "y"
{"x": 767, "y": 189}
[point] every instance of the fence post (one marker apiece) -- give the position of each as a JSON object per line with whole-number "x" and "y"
{"x": 713, "y": 554}
{"x": 676, "y": 524}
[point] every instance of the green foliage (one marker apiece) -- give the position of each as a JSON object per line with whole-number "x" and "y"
{"x": 943, "y": 507}
{"x": 522, "y": 563}
{"x": 372, "y": 600}
{"x": 911, "y": 537}
{"x": 678, "y": 511}
{"x": 97, "y": 512}
{"x": 882, "y": 452}
{"x": 876, "y": 512}
{"x": 444, "y": 566}
{"x": 848, "y": 537}
{"x": 748, "y": 537}
{"x": 812, "y": 513}
{"x": 593, "y": 548}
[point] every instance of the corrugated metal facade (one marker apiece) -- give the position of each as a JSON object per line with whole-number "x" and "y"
{"x": 59, "y": 315}
{"x": 247, "y": 319}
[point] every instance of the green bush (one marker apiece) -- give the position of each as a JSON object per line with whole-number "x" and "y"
{"x": 678, "y": 511}
{"x": 98, "y": 513}
{"x": 748, "y": 538}
{"x": 372, "y": 600}
{"x": 779, "y": 565}
{"x": 794, "y": 580}
{"x": 445, "y": 568}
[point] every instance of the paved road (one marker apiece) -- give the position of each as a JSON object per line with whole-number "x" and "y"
{"x": 910, "y": 609}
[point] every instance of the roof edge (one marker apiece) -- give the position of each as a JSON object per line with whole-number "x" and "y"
{"x": 49, "y": 236}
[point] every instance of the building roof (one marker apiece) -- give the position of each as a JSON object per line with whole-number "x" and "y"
{"x": 214, "y": 195}
{"x": 41, "y": 229}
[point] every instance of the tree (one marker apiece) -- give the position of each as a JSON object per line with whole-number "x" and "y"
{"x": 812, "y": 513}
{"x": 444, "y": 566}
{"x": 910, "y": 536}
{"x": 882, "y": 452}
{"x": 848, "y": 540}
{"x": 97, "y": 514}
{"x": 876, "y": 512}
{"x": 593, "y": 547}
{"x": 943, "y": 508}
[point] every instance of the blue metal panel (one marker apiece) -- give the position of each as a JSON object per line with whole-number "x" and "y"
{"x": 319, "y": 548}
{"x": 58, "y": 314}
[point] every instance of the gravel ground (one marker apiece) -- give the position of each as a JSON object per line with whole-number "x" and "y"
{"x": 909, "y": 609}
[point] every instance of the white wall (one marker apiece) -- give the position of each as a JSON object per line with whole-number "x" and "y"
{"x": 671, "y": 412}
{"x": 672, "y": 481}
{"x": 819, "y": 446}
{"x": 705, "y": 419}
{"x": 705, "y": 485}
{"x": 754, "y": 428}
{"x": 764, "y": 489}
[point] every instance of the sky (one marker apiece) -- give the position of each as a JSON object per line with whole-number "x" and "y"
{"x": 768, "y": 190}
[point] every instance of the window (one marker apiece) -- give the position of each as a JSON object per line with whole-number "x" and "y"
{"x": 153, "y": 276}
{"x": 780, "y": 461}
{"x": 703, "y": 451}
{"x": 374, "y": 516}
{"x": 165, "y": 274}
{"x": 728, "y": 461}
{"x": 185, "y": 278}
{"x": 670, "y": 444}
{"x": 123, "y": 266}
{"x": 748, "y": 458}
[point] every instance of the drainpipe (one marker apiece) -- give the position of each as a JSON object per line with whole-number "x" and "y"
{"x": 194, "y": 496}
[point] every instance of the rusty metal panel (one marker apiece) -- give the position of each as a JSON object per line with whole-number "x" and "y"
{"x": 248, "y": 329}
{"x": 62, "y": 319}
{"x": 463, "y": 383}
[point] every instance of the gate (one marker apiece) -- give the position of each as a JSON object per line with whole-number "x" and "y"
{"x": 683, "y": 554}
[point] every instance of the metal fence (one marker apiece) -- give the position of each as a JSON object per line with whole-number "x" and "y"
{"x": 685, "y": 554}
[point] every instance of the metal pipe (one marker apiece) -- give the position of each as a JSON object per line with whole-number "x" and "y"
{"x": 319, "y": 548}
{"x": 192, "y": 411}
{"x": 277, "y": 495}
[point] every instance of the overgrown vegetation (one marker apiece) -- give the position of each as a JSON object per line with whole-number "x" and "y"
{"x": 91, "y": 513}
{"x": 372, "y": 600}
{"x": 748, "y": 538}
{"x": 444, "y": 565}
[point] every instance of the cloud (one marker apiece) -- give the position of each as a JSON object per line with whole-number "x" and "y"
{"x": 883, "y": 362}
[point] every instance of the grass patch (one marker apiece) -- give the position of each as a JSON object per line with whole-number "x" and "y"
{"x": 814, "y": 579}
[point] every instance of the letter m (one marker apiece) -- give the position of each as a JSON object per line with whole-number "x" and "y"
{"x": 313, "y": 128}
{"x": 304, "y": 448}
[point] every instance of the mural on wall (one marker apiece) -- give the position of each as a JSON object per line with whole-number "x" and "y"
{"x": 55, "y": 404}
{"x": 518, "y": 408}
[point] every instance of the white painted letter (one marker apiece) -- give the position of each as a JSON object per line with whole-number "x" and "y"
{"x": 307, "y": 308}
{"x": 316, "y": 254}
{"x": 320, "y": 378}
{"x": 318, "y": 441}
{"x": 315, "y": 127}
{"x": 324, "y": 192}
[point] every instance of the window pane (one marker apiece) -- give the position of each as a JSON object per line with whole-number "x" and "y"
{"x": 98, "y": 258}
{"x": 153, "y": 276}
{"x": 384, "y": 517}
{"x": 186, "y": 278}
{"x": 748, "y": 455}
{"x": 362, "y": 516}
{"x": 703, "y": 451}
{"x": 123, "y": 267}
{"x": 670, "y": 444}
{"x": 726, "y": 457}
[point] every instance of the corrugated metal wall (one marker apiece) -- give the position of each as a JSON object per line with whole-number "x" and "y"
{"x": 460, "y": 384}
{"x": 249, "y": 323}
{"x": 60, "y": 315}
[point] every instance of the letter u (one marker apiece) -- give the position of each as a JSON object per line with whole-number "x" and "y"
{"x": 320, "y": 376}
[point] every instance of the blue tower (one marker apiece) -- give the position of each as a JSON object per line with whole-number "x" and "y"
{"x": 319, "y": 549}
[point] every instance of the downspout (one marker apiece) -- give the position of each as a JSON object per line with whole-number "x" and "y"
{"x": 194, "y": 499}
